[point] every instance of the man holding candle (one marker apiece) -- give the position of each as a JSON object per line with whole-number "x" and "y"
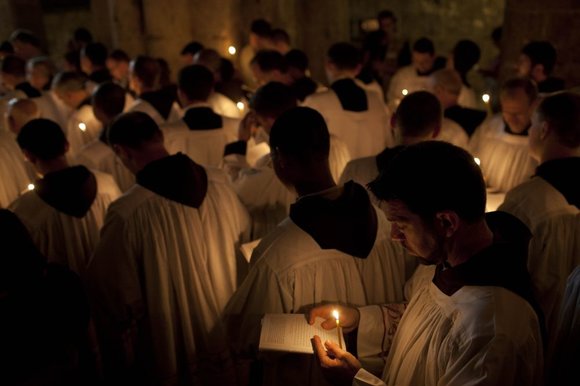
{"x": 467, "y": 323}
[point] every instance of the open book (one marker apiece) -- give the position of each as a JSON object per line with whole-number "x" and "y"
{"x": 292, "y": 333}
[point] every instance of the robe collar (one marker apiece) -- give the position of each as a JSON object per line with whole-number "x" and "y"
{"x": 468, "y": 119}
{"x": 71, "y": 190}
{"x": 176, "y": 178}
{"x": 161, "y": 100}
{"x": 348, "y": 223}
{"x": 563, "y": 174}
{"x": 202, "y": 117}
{"x": 351, "y": 96}
{"x": 509, "y": 130}
{"x": 101, "y": 76}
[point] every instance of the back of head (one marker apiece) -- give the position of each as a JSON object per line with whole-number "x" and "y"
{"x": 69, "y": 81}
{"x": 270, "y": 60}
{"x": 22, "y": 111}
{"x": 82, "y": 36}
{"x": 344, "y": 56}
{"x": 280, "y": 35}
{"x": 434, "y": 176}
{"x": 6, "y": 48}
{"x": 261, "y": 28}
{"x": 273, "y": 99}
{"x": 42, "y": 138}
{"x": 109, "y": 97}
{"x": 496, "y": 35}
{"x": 119, "y": 56}
{"x": 419, "y": 114}
{"x": 24, "y": 36}
{"x": 147, "y": 70}
{"x": 191, "y": 48}
{"x": 466, "y": 54}
{"x": 96, "y": 53}
{"x": 562, "y": 113}
{"x": 297, "y": 59}
{"x": 424, "y": 46}
{"x": 42, "y": 63}
{"x": 541, "y": 52}
{"x": 13, "y": 65}
{"x": 209, "y": 58}
{"x": 134, "y": 130}
{"x": 301, "y": 134}
{"x": 512, "y": 86}
{"x": 196, "y": 82}
{"x": 449, "y": 80}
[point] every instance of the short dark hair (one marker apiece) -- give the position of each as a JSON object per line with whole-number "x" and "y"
{"x": 526, "y": 84}
{"x": 424, "y": 46}
{"x": 96, "y": 53}
{"x": 301, "y": 133}
{"x": 273, "y": 99}
{"x": 119, "y": 56}
{"x": 386, "y": 14}
{"x": 419, "y": 113}
{"x": 433, "y": 176}
{"x": 297, "y": 59}
{"x": 25, "y": 36}
{"x": 280, "y": 35}
{"x": 192, "y": 48}
{"x": 541, "y": 52}
{"x": 147, "y": 70}
{"x": 466, "y": 54}
{"x": 13, "y": 65}
{"x": 196, "y": 82}
{"x": 83, "y": 35}
{"x": 261, "y": 28}
{"x": 110, "y": 98}
{"x": 344, "y": 56}
{"x": 6, "y": 47}
{"x": 270, "y": 60}
{"x": 134, "y": 129}
{"x": 562, "y": 112}
{"x": 43, "y": 138}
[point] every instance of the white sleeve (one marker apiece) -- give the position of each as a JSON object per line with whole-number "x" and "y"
{"x": 364, "y": 378}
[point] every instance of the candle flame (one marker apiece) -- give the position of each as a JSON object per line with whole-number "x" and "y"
{"x": 82, "y": 126}
{"x": 241, "y": 106}
{"x": 485, "y": 98}
{"x": 477, "y": 160}
{"x": 404, "y": 91}
{"x": 232, "y": 50}
{"x": 335, "y": 314}
{"x": 30, "y": 186}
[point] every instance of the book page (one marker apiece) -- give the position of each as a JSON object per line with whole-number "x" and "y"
{"x": 248, "y": 248}
{"x": 292, "y": 333}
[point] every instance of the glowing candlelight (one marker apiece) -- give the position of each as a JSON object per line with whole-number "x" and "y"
{"x": 485, "y": 98}
{"x": 336, "y": 316}
{"x": 30, "y": 186}
{"x": 232, "y": 50}
{"x": 241, "y": 105}
{"x": 82, "y": 126}
{"x": 477, "y": 161}
{"x": 404, "y": 91}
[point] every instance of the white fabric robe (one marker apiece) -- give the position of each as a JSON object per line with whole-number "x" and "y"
{"x": 98, "y": 156}
{"x": 77, "y": 137}
{"x": 65, "y": 239}
{"x": 224, "y": 106}
{"x": 364, "y": 133}
{"x": 554, "y": 251}
{"x": 205, "y": 147}
{"x": 4, "y": 99}
{"x": 453, "y": 133}
{"x": 406, "y": 78}
{"x": 477, "y": 336}
{"x": 14, "y": 176}
{"x": 177, "y": 262}
{"x": 51, "y": 107}
{"x": 467, "y": 98}
{"x": 146, "y": 107}
{"x": 505, "y": 159}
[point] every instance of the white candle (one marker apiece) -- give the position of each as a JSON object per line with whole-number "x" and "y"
{"x": 30, "y": 186}
{"x": 241, "y": 105}
{"x": 232, "y": 50}
{"x": 404, "y": 91}
{"x": 336, "y": 316}
{"x": 82, "y": 126}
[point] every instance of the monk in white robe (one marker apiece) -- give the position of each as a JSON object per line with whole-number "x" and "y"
{"x": 108, "y": 101}
{"x": 355, "y": 115}
{"x": 65, "y": 210}
{"x": 332, "y": 246}
{"x": 501, "y": 142}
{"x": 166, "y": 264}
{"x": 201, "y": 133}
{"x": 472, "y": 324}
{"x": 549, "y": 202}
{"x": 160, "y": 103}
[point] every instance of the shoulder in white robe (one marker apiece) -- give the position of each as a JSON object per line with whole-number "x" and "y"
{"x": 51, "y": 107}
{"x": 82, "y": 128}
{"x": 14, "y": 176}
{"x": 224, "y": 106}
{"x": 453, "y": 133}
{"x": 146, "y": 107}
{"x": 406, "y": 78}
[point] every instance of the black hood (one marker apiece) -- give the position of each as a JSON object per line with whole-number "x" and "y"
{"x": 351, "y": 96}
{"x": 202, "y": 118}
{"x": 161, "y": 100}
{"x": 468, "y": 119}
{"x": 348, "y": 224}
{"x": 563, "y": 174}
{"x": 71, "y": 190}
{"x": 176, "y": 178}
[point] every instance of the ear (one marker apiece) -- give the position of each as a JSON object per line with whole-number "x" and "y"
{"x": 545, "y": 130}
{"x": 446, "y": 223}
{"x": 436, "y": 131}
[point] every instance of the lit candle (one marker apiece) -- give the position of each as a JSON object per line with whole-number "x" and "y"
{"x": 232, "y": 50}
{"x": 241, "y": 105}
{"x": 82, "y": 126}
{"x": 477, "y": 161}
{"x": 335, "y": 314}
{"x": 487, "y": 99}
{"x": 404, "y": 91}
{"x": 30, "y": 186}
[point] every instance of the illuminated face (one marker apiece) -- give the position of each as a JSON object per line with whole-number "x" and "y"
{"x": 516, "y": 110}
{"x": 423, "y": 62}
{"x": 414, "y": 233}
{"x": 524, "y": 66}
{"x": 36, "y": 77}
{"x": 118, "y": 68}
{"x": 534, "y": 139}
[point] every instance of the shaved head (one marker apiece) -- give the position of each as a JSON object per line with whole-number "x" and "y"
{"x": 20, "y": 112}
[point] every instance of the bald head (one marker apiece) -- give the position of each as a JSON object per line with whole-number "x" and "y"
{"x": 20, "y": 112}
{"x": 447, "y": 85}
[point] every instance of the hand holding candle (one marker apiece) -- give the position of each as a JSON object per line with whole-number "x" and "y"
{"x": 336, "y": 316}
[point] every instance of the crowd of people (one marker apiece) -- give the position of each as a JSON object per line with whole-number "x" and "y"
{"x": 148, "y": 224}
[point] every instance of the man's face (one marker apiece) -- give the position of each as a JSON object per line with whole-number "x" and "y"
{"x": 516, "y": 110}
{"x": 415, "y": 235}
{"x": 119, "y": 69}
{"x": 36, "y": 77}
{"x": 423, "y": 62}
{"x": 524, "y": 66}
